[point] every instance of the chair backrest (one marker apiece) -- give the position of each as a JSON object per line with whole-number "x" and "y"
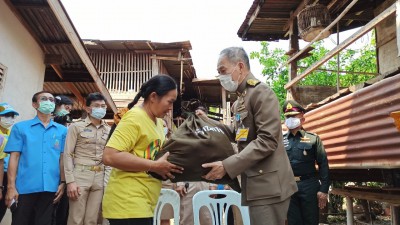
{"x": 171, "y": 197}
{"x": 228, "y": 198}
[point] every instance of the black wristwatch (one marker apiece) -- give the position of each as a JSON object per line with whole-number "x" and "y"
{"x": 63, "y": 182}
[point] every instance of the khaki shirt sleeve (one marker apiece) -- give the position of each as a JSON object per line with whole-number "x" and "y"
{"x": 69, "y": 151}
{"x": 267, "y": 124}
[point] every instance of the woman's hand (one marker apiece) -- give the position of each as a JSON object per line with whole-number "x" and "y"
{"x": 165, "y": 168}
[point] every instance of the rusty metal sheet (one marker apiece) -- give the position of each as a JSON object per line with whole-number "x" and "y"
{"x": 357, "y": 130}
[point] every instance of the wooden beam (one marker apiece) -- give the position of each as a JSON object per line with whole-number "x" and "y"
{"x": 369, "y": 26}
{"x": 53, "y": 59}
{"x": 76, "y": 92}
{"x": 343, "y": 71}
{"x": 393, "y": 199}
{"x": 77, "y": 43}
{"x": 58, "y": 71}
{"x": 253, "y": 17}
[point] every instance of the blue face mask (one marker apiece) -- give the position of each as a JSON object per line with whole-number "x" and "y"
{"x": 98, "y": 113}
{"x": 46, "y": 107}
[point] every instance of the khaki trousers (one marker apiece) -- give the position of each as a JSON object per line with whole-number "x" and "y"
{"x": 274, "y": 214}
{"x": 186, "y": 213}
{"x": 85, "y": 210}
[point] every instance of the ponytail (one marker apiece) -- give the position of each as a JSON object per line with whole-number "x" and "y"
{"x": 135, "y": 100}
{"x": 160, "y": 84}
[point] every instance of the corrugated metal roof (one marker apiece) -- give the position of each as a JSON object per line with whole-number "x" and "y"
{"x": 266, "y": 19}
{"x": 171, "y": 49}
{"x": 357, "y": 130}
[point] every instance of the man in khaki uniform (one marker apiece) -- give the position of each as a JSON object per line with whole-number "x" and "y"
{"x": 266, "y": 175}
{"x": 84, "y": 169}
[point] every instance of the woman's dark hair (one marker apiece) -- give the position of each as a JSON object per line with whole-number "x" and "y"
{"x": 63, "y": 100}
{"x": 160, "y": 84}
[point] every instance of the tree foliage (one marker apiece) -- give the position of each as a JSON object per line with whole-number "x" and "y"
{"x": 354, "y": 60}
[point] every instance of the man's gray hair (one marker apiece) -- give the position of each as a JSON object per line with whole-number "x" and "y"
{"x": 235, "y": 55}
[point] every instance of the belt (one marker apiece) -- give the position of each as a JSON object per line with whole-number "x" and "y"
{"x": 96, "y": 168}
{"x": 304, "y": 177}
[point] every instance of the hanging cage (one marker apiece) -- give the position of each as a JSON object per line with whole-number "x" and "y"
{"x": 312, "y": 20}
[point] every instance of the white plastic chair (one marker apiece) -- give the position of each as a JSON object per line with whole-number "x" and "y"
{"x": 171, "y": 197}
{"x": 204, "y": 198}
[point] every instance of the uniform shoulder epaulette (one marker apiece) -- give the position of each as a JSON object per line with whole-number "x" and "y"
{"x": 253, "y": 82}
{"x": 311, "y": 133}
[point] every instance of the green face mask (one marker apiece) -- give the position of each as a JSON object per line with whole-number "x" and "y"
{"x": 46, "y": 107}
{"x": 62, "y": 112}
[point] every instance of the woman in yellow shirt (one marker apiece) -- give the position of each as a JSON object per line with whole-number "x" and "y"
{"x": 131, "y": 194}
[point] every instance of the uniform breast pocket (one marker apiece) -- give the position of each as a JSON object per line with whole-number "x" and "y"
{"x": 305, "y": 151}
{"x": 56, "y": 143}
{"x": 87, "y": 138}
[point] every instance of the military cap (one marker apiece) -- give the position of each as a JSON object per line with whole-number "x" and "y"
{"x": 291, "y": 107}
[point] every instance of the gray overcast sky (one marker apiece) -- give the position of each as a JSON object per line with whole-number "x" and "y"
{"x": 210, "y": 25}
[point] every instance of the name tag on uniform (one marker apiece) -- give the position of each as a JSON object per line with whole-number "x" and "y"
{"x": 305, "y": 140}
{"x": 241, "y": 134}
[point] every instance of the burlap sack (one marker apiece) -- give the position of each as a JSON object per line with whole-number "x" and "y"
{"x": 197, "y": 141}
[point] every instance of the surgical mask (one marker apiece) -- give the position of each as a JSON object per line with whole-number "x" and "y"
{"x": 227, "y": 82}
{"x": 165, "y": 130}
{"x": 7, "y": 122}
{"x": 46, "y": 107}
{"x": 292, "y": 122}
{"x": 62, "y": 112}
{"x": 98, "y": 113}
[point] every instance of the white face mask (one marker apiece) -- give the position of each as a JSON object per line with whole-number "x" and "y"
{"x": 7, "y": 122}
{"x": 292, "y": 122}
{"x": 227, "y": 82}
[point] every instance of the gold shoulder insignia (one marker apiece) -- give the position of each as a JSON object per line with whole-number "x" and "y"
{"x": 253, "y": 82}
{"x": 312, "y": 133}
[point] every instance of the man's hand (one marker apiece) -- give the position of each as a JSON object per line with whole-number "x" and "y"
{"x": 181, "y": 190}
{"x": 12, "y": 193}
{"x": 217, "y": 170}
{"x": 73, "y": 191}
{"x": 322, "y": 199}
{"x": 59, "y": 193}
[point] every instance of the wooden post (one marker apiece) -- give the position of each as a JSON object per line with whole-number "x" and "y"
{"x": 181, "y": 83}
{"x": 154, "y": 66}
{"x": 293, "y": 47}
{"x": 349, "y": 210}
{"x": 394, "y": 214}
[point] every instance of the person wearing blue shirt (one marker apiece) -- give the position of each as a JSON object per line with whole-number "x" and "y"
{"x": 36, "y": 172}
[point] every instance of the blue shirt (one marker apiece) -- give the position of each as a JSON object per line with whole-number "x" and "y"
{"x": 40, "y": 149}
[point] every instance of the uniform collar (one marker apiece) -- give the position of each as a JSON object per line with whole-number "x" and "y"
{"x": 88, "y": 122}
{"x": 243, "y": 85}
{"x": 36, "y": 120}
{"x": 301, "y": 132}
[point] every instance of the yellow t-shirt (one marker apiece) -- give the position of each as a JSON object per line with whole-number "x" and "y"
{"x": 3, "y": 142}
{"x": 134, "y": 194}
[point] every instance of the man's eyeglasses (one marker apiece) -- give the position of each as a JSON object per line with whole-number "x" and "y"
{"x": 44, "y": 98}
